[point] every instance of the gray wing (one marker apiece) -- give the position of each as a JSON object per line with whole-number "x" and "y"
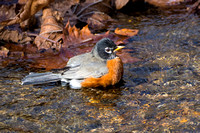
{"x": 81, "y": 67}
{"x": 78, "y": 60}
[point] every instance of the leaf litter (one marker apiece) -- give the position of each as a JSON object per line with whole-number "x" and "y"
{"x": 53, "y": 45}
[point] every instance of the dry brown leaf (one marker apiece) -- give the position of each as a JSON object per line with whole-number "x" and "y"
{"x": 94, "y": 13}
{"x": 7, "y": 11}
{"x": 14, "y": 36}
{"x": 120, "y": 3}
{"x": 126, "y": 32}
{"x": 31, "y": 7}
{"x": 99, "y": 20}
{"x": 50, "y": 33}
{"x": 74, "y": 36}
{"x": 51, "y": 60}
{"x": 163, "y": 3}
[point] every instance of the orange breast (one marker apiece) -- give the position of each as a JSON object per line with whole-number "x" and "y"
{"x": 115, "y": 72}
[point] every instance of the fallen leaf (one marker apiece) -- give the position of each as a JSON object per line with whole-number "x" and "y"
{"x": 126, "y": 32}
{"x": 18, "y": 53}
{"x": 50, "y": 33}
{"x": 94, "y": 13}
{"x": 31, "y": 7}
{"x": 164, "y": 3}
{"x": 14, "y": 36}
{"x": 74, "y": 36}
{"x": 99, "y": 20}
{"x": 51, "y": 60}
{"x": 120, "y": 3}
{"x": 7, "y": 11}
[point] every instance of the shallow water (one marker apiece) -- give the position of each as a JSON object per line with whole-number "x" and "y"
{"x": 158, "y": 94}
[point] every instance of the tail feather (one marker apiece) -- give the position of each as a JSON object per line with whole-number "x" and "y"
{"x": 41, "y": 78}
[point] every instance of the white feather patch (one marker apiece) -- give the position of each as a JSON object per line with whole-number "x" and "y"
{"x": 75, "y": 84}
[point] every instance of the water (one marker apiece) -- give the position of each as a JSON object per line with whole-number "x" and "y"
{"x": 158, "y": 94}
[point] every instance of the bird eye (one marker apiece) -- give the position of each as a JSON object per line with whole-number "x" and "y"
{"x": 108, "y": 50}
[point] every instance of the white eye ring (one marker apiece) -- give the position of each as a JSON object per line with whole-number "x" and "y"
{"x": 108, "y": 50}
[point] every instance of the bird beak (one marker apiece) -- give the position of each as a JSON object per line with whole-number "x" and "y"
{"x": 118, "y": 48}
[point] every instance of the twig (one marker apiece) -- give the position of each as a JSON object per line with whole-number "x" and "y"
{"x": 52, "y": 31}
{"x": 33, "y": 34}
{"x": 89, "y": 13}
{"x": 75, "y": 8}
{"x": 84, "y": 8}
{"x": 86, "y": 40}
{"x": 107, "y": 5}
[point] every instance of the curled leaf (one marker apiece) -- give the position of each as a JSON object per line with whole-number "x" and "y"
{"x": 164, "y": 3}
{"x": 50, "y": 33}
{"x": 31, "y": 7}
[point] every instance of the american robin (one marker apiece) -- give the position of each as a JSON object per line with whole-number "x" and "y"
{"x": 100, "y": 67}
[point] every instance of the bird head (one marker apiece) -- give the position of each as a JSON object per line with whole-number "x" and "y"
{"x": 106, "y": 49}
